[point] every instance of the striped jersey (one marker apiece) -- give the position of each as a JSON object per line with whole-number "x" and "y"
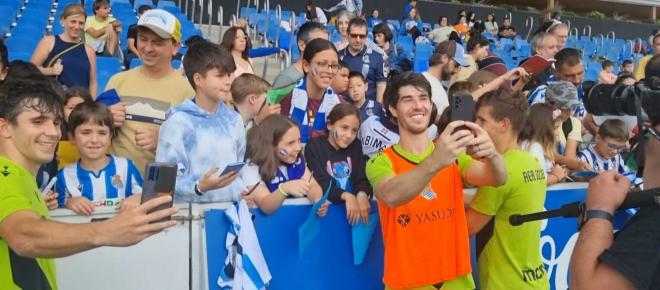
{"x": 589, "y": 155}
{"x": 118, "y": 180}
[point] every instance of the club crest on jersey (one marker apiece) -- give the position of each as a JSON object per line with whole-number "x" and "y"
{"x": 428, "y": 193}
{"x": 5, "y": 171}
{"x": 117, "y": 182}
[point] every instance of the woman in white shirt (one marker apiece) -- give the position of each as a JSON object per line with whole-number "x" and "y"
{"x": 315, "y": 13}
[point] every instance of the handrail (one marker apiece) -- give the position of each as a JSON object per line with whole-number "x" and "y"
{"x": 584, "y": 31}
{"x": 267, "y": 8}
{"x": 278, "y": 12}
{"x": 185, "y": 9}
{"x": 201, "y": 13}
{"x": 613, "y": 35}
{"x": 568, "y": 23}
{"x": 238, "y": 8}
{"x": 638, "y": 40}
{"x": 210, "y": 23}
{"x": 529, "y": 22}
{"x": 632, "y": 46}
{"x": 510, "y": 16}
{"x": 577, "y": 32}
{"x": 221, "y": 20}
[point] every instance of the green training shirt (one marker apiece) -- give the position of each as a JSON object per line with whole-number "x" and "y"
{"x": 18, "y": 191}
{"x": 509, "y": 256}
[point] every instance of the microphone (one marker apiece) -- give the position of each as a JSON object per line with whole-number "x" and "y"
{"x": 635, "y": 199}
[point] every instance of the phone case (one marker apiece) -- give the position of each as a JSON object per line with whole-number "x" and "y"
{"x": 462, "y": 109}
{"x": 160, "y": 179}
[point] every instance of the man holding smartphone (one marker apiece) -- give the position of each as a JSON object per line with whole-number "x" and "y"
{"x": 420, "y": 191}
{"x": 30, "y": 116}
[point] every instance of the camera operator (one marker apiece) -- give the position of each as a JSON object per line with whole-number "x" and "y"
{"x": 632, "y": 259}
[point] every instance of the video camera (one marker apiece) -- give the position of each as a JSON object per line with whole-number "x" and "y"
{"x": 641, "y": 99}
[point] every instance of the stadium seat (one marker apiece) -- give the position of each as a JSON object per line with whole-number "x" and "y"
{"x": 24, "y": 56}
{"x": 21, "y": 43}
{"x": 420, "y": 65}
{"x": 106, "y": 67}
{"x": 423, "y": 51}
{"x": 138, "y": 3}
{"x": 162, "y": 4}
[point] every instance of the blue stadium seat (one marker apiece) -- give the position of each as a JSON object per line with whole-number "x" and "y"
{"x": 245, "y": 11}
{"x": 24, "y": 56}
{"x": 29, "y": 31}
{"x": 138, "y": 3}
{"x": 420, "y": 65}
{"x": 106, "y": 67}
{"x": 21, "y": 43}
{"x": 423, "y": 51}
{"x": 162, "y": 4}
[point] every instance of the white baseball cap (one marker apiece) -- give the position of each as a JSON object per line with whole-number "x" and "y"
{"x": 162, "y": 23}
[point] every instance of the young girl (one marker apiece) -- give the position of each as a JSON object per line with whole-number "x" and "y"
{"x": 236, "y": 40}
{"x": 538, "y": 138}
{"x": 67, "y": 152}
{"x": 274, "y": 152}
{"x": 337, "y": 162}
{"x": 312, "y": 99}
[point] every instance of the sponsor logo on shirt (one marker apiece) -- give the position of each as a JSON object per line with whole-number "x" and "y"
{"x": 533, "y": 274}
{"x": 533, "y": 175}
{"x": 403, "y": 220}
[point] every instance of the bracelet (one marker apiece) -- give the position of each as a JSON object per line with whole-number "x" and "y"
{"x": 282, "y": 192}
{"x": 197, "y": 191}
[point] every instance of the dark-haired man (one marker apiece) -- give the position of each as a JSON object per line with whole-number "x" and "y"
{"x": 420, "y": 191}
{"x": 30, "y": 116}
{"x": 361, "y": 57}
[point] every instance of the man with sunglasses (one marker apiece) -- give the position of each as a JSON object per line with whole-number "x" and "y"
{"x": 362, "y": 58}
{"x": 604, "y": 154}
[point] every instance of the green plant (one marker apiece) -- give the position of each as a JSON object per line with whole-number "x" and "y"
{"x": 455, "y": 1}
{"x": 596, "y": 14}
{"x": 657, "y": 21}
{"x": 531, "y": 8}
{"x": 568, "y": 13}
{"x": 510, "y": 8}
{"x": 620, "y": 17}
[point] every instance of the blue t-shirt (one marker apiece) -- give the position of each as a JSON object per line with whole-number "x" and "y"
{"x": 370, "y": 63}
{"x": 293, "y": 171}
{"x": 119, "y": 179}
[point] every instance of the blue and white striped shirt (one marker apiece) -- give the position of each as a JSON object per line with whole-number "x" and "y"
{"x": 119, "y": 179}
{"x": 538, "y": 96}
{"x": 616, "y": 163}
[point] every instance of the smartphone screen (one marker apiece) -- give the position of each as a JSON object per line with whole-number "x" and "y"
{"x": 160, "y": 180}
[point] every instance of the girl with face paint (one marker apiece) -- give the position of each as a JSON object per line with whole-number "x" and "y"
{"x": 274, "y": 152}
{"x": 337, "y": 162}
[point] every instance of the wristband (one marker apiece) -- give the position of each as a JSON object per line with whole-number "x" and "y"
{"x": 596, "y": 213}
{"x": 282, "y": 192}
{"x": 197, "y": 191}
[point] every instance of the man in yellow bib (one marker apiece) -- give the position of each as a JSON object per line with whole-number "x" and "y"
{"x": 420, "y": 191}
{"x": 508, "y": 256}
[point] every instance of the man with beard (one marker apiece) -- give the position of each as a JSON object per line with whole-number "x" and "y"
{"x": 443, "y": 64}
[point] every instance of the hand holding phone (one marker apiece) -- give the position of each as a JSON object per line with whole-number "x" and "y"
{"x": 160, "y": 180}
{"x": 232, "y": 167}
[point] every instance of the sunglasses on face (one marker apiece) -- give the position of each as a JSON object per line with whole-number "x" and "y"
{"x": 360, "y": 36}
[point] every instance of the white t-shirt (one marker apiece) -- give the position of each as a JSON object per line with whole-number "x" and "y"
{"x": 536, "y": 150}
{"x": 320, "y": 15}
{"x": 438, "y": 93}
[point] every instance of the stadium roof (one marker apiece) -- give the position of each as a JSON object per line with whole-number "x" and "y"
{"x": 636, "y": 2}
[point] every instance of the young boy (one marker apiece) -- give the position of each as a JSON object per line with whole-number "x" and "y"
{"x": 248, "y": 93}
{"x": 101, "y": 30}
{"x": 357, "y": 89}
{"x": 97, "y": 178}
{"x": 340, "y": 82}
{"x": 202, "y": 135}
{"x": 604, "y": 153}
{"x": 132, "y": 36}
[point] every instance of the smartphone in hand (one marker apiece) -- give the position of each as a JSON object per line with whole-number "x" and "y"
{"x": 232, "y": 167}
{"x": 160, "y": 180}
{"x": 462, "y": 109}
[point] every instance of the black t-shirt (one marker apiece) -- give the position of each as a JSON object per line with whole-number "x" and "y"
{"x": 635, "y": 252}
{"x": 132, "y": 33}
{"x": 338, "y": 168}
{"x": 502, "y": 29}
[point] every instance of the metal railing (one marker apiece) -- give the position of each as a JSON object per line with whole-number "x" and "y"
{"x": 613, "y": 35}
{"x": 529, "y": 23}
{"x": 221, "y": 20}
{"x": 584, "y": 31}
{"x": 576, "y": 34}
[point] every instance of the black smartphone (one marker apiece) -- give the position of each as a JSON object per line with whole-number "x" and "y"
{"x": 233, "y": 167}
{"x": 462, "y": 109}
{"x": 160, "y": 179}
